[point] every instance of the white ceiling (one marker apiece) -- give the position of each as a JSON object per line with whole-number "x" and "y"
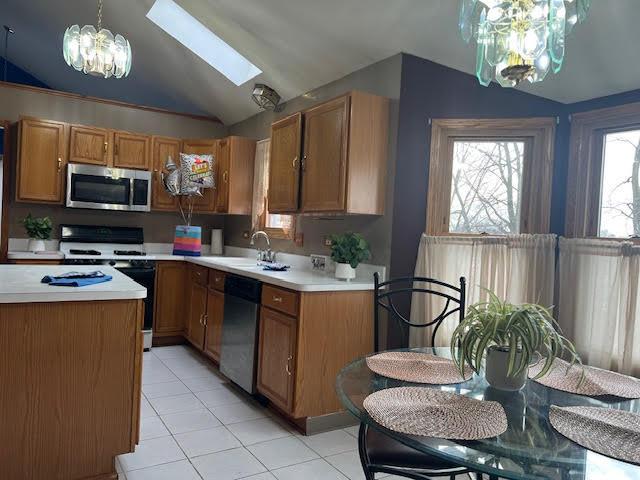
{"x": 300, "y": 45}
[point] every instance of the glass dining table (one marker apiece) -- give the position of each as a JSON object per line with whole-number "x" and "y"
{"x": 529, "y": 449}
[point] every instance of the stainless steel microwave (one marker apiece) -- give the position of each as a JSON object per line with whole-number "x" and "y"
{"x": 104, "y": 188}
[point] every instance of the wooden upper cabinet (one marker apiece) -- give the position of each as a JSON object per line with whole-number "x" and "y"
{"x": 207, "y": 202}
{"x": 131, "y": 150}
{"x": 89, "y": 145}
{"x": 324, "y": 162}
{"x": 162, "y": 148}
{"x": 284, "y": 164}
{"x": 223, "y": 159}
{"x": 42, "y": 158}
{"x": 169, "y": 299}
{"x": 236, "y": 160}
{"x": 276, "y": 358}
{"x": 344, "y": 157}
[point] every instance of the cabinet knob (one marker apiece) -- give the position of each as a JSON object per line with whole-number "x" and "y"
{"x": 304, "y": 163}
{"x": 59, "y": 163}
{"x": 225, "y": 177}
{"x": 204, "y": 319}
{"x": 295, "y": 163}
{"x": 277, "y": 299}
{"x": 106, "y": 147}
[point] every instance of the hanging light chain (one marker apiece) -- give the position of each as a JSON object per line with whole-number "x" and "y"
{"x": 99, "y": 15}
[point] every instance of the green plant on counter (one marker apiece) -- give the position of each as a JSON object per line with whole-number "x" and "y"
{"x": 38, "y": 228}
{"x": 528, "y": 329}
{"x": 349, "y": 248}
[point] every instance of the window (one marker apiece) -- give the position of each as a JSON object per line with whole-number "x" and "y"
{"x": 603, "y": 192}
{"x": 178, "y": 23}
{"x": 485, "y": 186}
{"x": 490, "y": 176}
{"x": 276, "y": 225}
{"x": 620, "y": 193}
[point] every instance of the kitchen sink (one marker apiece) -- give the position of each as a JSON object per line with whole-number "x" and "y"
{"x": 237, "y": 261}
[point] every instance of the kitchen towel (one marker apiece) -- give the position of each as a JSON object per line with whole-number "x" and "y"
{"x": 187, "y": 241}
{"x": 77, "y": 279}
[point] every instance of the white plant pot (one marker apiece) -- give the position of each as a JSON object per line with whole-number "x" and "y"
{"x": 36, "y": 245}
{"x": 344, "y": 271}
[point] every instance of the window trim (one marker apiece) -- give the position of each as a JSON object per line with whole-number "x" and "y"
{"x": 539, "y": 136}
{"x": 584, "y": 183}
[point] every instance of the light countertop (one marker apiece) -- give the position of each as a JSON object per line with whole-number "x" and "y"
{"x": 22, "y": 284}
{"x": 296, "y": 278}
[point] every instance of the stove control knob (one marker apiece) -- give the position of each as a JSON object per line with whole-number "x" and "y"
{"x": 112, "y": 262}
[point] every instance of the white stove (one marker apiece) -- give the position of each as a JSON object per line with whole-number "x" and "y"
{"x": 118, "y": 247}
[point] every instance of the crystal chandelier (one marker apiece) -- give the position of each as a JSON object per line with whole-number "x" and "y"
{"x": 519, "y": 39}
{"x": 96, "y": 51}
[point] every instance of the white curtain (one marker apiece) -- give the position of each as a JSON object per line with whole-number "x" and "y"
{"x": 260, "y": 184}
{"x": 599, "y": 301}
{"x": 517, "y": 268}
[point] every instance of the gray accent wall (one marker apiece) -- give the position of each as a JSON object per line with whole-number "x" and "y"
{"x": 382, "y": 78}
{"x": 158, "y": 227}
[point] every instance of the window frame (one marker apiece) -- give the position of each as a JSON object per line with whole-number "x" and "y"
{"x": 538, "y": 134}
{"x": 586, "y": 161}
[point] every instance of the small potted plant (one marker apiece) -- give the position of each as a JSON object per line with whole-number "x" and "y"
{"x": 39, "y": 230}
{"x": 348, "y": 250}
{"x": 511, "y": 337}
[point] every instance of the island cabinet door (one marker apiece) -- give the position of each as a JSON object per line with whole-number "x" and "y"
{"x": 215, "y": 312}
{"x": 276, "y": 361}
{"x": 324, "y": 163}
{"x": 284, "y": 164}
{"x": 197, "y": 313}
{"x": 168, "y": 319}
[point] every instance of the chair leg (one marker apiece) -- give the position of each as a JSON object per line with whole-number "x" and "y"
{"x": 362, "y": 450}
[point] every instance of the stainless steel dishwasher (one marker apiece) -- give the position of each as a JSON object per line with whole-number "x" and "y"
{"x": 238, "y": 353}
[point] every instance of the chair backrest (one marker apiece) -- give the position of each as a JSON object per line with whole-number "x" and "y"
{"x": 385, "y": 292}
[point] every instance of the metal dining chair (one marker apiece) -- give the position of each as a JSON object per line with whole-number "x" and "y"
{"x": 379, "y": 453}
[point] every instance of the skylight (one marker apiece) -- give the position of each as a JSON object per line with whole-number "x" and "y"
{"x": 178, "y": 23}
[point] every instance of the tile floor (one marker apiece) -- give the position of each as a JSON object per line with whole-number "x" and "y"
{"x": 194, "y": 426}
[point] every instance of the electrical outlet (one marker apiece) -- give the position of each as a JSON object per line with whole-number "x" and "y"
{"x": 319, "y": 262}
{"x": 327, "y": 241}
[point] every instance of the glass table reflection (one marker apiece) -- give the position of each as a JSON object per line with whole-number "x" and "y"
{"x": 529, "y": 449}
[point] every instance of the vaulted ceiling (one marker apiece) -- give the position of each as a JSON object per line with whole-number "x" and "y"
{"x": 300, "y": 45}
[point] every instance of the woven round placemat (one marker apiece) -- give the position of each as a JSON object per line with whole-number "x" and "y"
{"x": 417, "y": 367}
{"x": 596, "y": 381}
{"x": 431, "y": 413}
{"x": 611, "y": 432}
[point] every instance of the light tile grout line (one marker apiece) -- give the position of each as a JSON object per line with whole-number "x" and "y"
{"x": 250, "y": 401}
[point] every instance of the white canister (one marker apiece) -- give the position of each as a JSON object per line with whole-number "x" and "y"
{"x": 216, "y": 241}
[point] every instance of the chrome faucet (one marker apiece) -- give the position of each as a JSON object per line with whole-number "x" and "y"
{"x": 267, "y": 255}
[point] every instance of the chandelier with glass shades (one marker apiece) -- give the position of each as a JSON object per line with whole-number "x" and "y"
{"x": 96, "y": 51}
{"x": 519, "y": 39}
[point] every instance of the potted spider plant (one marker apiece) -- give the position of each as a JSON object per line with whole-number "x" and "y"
{"x": 510, "y": 337}
{"x": 39, "y": 230}
{"x": 348, "y": 251}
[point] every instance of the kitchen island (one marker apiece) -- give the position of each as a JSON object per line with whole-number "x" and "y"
{"x": 70, "y": 364}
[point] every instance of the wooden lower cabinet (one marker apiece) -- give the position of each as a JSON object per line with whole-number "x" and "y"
{"x": 300, "y": 357}
{"x": 71, "y": 388}
{"x": 213, "y": 323}
{"x": 277, "y": 348}
{"x": 197, "y": 311}
{"x": 169, "y": 302}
